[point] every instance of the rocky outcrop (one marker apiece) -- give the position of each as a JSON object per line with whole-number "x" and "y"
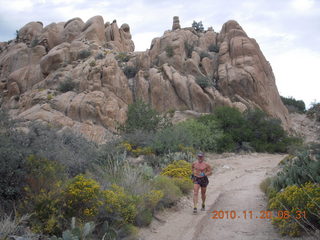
{"x": 176, "y": 23}
{"x": 183, "y": 70}
{"x": 243, "y": 71}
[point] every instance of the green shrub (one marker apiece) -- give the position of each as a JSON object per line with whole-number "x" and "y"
{"x": 84, "y": 54}
{"x": 300, "y": 169}
{"x": 34, "y": 42}
{"x": 314, "y": 111}
{"x": 169, "y": 139}
{"x": 185, "y": 184}
{"x": 294, "y": 105}
{"x": 67, "y": 85}
{"x": 130, "y": 71}
{"x": 169, "y": 51}
{"x": 203, "y": 81}
{"x": 141, "y": 117}
{"x": 188, "y": 49}
{"x": 213, "y": 48}
{"x": 118, "y": 203}
{"x": 301, "y": 203}
{"x": 178, "y": 169}
{"x": 123, "y": 57}
{"x": 172, "y": 193}
{"x": 144, "y": 217}
{"x": 82, "y": 198}
{"x": 204, "y": 54}
{"x": 10, "y": 225}
{"x": 92, "y": 63}
{"x": 100, "y": 56}
{"x": 198, "y": 26}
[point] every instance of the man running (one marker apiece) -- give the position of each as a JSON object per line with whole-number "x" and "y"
{"x": 200, "y": 171}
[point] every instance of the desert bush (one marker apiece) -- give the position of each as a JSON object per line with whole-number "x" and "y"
{"x": 144, "y": 217}
{"x": 188, "y": 49}
{"x": 79, "y": 232}
{"x": 68, "y": 148}
{"x": 180, "y": 172}
{"x": 123, "y": 57}
{"x": 302, "y": 168}
{"x": 314, "y": 111}
{"x": 198, "y": 26}
{"x": 10, "y": 225}
{"x": 12, "y": 170}
{"x": 190, "y": 135}
{"x": 138, "y": 138}
{"x": 204, "y": 54}
{"x": 185, "y": 184}
{"x": 213, "y": 48}
{"x": 84, "y": 54}
{"x": 178, "y": 169}
{"x": 294, "y": 105}
{"x": 141, "y": 117}
{"x": 34, "y": 42}
{"x": 169, "y": 139}
{"x": 203, "y": 81}
{"x": 82, "y": 198}
{"x": 301, "y": 203}
{"x": 120, "y": 205}
{"x": 67, "y": 85}
{"x": 171, "y": 192}
{"x": 100, "y": 56}
{"x": 136, "y": 150}
{"x": 130, "y": 71}
{"x": 169, "y": 51}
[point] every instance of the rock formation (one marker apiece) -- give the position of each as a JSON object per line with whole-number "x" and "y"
{"x": 183, "y": 70}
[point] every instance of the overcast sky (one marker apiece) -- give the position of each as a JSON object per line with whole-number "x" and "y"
{"x": 286, "y": 30}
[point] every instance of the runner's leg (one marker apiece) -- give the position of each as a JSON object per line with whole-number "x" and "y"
{"x": 195, "y": 194}
{"x": 203, "y": 195}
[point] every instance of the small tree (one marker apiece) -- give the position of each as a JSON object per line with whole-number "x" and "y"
{"x": 141, "y": 117}
{"x": 198, "y": 26}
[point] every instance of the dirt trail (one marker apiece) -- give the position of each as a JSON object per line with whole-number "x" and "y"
{"x": 234, "y": 185}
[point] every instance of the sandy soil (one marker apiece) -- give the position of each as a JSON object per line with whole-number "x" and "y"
{"x": 234, "y": 186}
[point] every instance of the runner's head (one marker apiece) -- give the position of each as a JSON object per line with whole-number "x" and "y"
{"x": 200, "y": 156}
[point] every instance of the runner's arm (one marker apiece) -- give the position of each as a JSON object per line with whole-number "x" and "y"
{"x": 208, "y": 170}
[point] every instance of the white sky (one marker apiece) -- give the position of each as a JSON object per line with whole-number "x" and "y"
{"x": 286, "y": 30}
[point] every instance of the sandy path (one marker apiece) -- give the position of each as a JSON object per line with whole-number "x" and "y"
{"x": 233, "y": 186}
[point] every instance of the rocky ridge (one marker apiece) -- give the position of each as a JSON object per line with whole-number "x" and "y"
{"x": 183, "y": 70}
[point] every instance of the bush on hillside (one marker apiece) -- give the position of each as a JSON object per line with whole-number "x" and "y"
{"x": 213, "y": 48}
{"x": 141, "y": 117}
{"x": 302, "y": 168}
{"x": 198, "y": 26}
{"x": 294, "y": 105}
{"x": 67, "y": 85}
{"x": 301, "y": 204}
{"x": 171, "y": 192}
{"x": 130, "y": 71}
{"x": 188, "y": 49}
{"x": 314, "y": 111}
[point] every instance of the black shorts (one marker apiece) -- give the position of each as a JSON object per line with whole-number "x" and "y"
{"x": 202, "y": 181}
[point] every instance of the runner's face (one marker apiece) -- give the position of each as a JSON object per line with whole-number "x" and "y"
{"x": 200, "y": 159}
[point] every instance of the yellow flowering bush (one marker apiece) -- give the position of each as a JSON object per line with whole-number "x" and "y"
{"x": 152, "y": 198}
{"x": 137, "y": 151}
{"x": 180, "y": 169}
{"x": 185, "y": 184}
{"x": 297, "y": 200}
{"x": 117, "y": 202}
{"x": 82, "y": 197}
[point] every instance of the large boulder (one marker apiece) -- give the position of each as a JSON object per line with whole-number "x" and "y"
{"x": 72, "y": 29}
{"x": 93, "y": 30}
{"x": 55, "y": 58}
{"x": 117, "y": 38}
{"x": 244, "y": 71}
